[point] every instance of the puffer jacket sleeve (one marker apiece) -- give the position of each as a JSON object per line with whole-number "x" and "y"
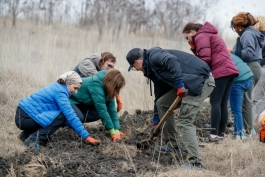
{"x": 113, "y": 113}
{"x": 71, "y": 117}
{"x": 98, "y": 96}
{"x": 203, "y": 48}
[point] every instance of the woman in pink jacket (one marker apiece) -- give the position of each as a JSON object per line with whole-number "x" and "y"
{"x": 210, "y": 47}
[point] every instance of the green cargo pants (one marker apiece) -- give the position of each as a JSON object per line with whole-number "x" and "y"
{"x": 185, "y": 131}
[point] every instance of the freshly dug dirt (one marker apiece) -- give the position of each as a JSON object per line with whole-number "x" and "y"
{"x": 66, "y": 155}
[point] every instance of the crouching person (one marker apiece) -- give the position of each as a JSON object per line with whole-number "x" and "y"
{"x": 48, "y": 109}
{"x": 171, "y": 72}
{"x": 95, "y": 100}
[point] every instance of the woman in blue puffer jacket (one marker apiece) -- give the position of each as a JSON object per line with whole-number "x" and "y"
{"x": 48, "y": 109}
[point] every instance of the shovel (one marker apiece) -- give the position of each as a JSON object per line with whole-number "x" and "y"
{"x": 149, "y": 141}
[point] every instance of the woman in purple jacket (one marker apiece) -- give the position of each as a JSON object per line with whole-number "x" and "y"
{"x": 210, "y": 47}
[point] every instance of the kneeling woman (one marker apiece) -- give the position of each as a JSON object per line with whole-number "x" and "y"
{"x": 95, "y": 100}
{"x": 48, "y": 109}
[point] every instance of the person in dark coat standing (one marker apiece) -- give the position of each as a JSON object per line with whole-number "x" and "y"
{"x": 248, "y": 47}
{"x": 172, "y": 72}
{"x": 209, "y": 46}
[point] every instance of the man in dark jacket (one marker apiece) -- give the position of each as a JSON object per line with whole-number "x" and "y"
{"x": 172, "y": 72}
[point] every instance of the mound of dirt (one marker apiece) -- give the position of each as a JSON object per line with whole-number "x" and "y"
{"x": 66, "y": 155}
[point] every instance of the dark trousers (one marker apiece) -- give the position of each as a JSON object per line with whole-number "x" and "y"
{"x": 36, "y": 132}
{"x": 86, "y": 113}
{"x": 218, "y": 100}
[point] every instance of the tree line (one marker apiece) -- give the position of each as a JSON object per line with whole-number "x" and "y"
{"x": 134, "y": 16}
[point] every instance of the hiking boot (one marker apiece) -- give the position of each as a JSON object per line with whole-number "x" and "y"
{"x": 211, "y": 139}
{"x": 23, "y": 136}
{"x": 166, "y": 149}
{"x": 30, "y": 143}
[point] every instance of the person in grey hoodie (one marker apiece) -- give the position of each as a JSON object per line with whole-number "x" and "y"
{"x": 91, "y": 66}
{"x": 259, "y": 90}
{"x": 248, "y": 47}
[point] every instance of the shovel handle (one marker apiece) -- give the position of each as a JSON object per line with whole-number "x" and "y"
{"x": 162, "y": 121}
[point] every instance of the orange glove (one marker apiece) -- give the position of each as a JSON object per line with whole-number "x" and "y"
{"x": 93, "y": 141}
{"x": 122, "y": 134}
{"x": 192, "y": 46}
{"x": 229, "y": 50}
{"x": 119, "y": 103}
{"x": 115, "y": 137}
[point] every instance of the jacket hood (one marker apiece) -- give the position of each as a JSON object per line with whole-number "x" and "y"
{"x": 260, "y": 37}
{"x": 208, "y": 28}
{"x": 95, "y": 58}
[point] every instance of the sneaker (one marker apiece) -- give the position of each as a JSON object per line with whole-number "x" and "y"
{"x": 207, "y": 125}
{"x": 253, "y": 131}
{"x": 211, "y": 139}
{"x": 166, "y": 149}
{"x": 30, "y": 143}
{"x": 246, "y": 135}
{"x": 190, "y": 166}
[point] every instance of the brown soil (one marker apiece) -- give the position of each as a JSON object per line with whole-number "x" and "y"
{"x": 66, "y": 155}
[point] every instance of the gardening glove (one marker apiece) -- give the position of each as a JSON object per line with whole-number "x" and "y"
{"x": 153, "y": 129}
{"x": 92, "y": 141}
{"x": 192, "y": 46}
{"x": 119, "y": 103}
{"x": 182, "y": 92}
{"x": 122, "y": 134}
{"x": 115, "y": 138}
{"x": 115, "y": 135}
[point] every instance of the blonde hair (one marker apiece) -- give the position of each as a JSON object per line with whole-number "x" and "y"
{"x": 260, "y": 25}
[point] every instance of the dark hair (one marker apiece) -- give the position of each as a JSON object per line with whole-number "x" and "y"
{"x": 191, "y": 26}
{"x": 105, "y": 56}
{"x": 243, "y": 19}
{"x": 113, "y": 82}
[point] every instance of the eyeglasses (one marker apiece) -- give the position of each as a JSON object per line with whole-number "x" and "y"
{"x": 110, "y": 65}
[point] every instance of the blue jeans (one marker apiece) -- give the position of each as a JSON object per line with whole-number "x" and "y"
{"x": 236, "y": 97}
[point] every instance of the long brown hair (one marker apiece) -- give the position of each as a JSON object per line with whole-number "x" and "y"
{"x": 191, "y": 26}
{"x": 243, "y": 19}
{"x": 105, "y": 56}
{"x": 113, "y": 82}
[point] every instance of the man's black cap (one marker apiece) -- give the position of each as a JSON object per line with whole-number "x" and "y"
{"x": 133, "y": 55}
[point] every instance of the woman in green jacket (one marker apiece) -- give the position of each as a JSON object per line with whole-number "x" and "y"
{"x": 95, "y": 100}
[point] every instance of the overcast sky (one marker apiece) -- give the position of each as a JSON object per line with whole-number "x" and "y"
{"x": 225, "y": 10}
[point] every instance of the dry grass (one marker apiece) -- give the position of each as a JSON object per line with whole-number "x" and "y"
{"x": 33, "y": 56}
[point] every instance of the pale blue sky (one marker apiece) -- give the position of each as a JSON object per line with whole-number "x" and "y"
{"x": 223, "y": 11}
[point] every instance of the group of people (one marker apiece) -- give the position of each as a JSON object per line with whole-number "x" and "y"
{"x": 212, "y": 71}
